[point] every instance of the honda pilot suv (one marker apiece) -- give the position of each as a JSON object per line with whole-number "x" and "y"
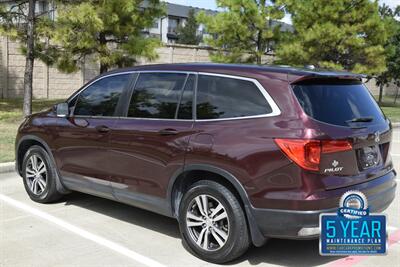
{"x": 237, "y": 154}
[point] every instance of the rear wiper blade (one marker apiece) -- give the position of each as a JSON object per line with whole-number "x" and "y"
{"x": 361, "y": 119}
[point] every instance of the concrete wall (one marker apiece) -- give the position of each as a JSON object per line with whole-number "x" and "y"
{"x": 48, "y": 82}
{"x": 387, "y": 90}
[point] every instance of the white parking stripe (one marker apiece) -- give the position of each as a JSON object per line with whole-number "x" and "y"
{"x": 83, "y": 233}
{"x": 391, "y": 228}
{"x": 395, "y": 155}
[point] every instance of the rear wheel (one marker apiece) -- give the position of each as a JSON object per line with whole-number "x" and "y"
{"x": 39, "y": 176}
{"x": 212, "y": 222}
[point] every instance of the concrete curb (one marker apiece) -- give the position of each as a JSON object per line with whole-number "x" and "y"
{"x": 7, "y": 167}
{"x": 396, "y": 124}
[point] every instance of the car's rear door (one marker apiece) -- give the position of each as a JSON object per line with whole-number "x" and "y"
{"x": 345, "y": 110}
{"x": 82, "y": 138}
{"x": 148, "y": 145}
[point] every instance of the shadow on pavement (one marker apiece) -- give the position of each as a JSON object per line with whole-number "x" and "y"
{"x": 276, "y": 251}
{"x": 287, "y": 253}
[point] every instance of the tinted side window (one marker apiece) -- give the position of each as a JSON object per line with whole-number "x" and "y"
{"x": 156, "y": 95}
{"x": 101, "y": 98}
{"x": 186, "y": 103}
{"x": 220, "y": 97}
{"x": 71, "y": 103}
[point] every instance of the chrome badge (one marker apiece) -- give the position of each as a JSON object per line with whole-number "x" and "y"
{"x": 335, "y": 167}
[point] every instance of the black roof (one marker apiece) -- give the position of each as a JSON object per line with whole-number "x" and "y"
{"x": 177, "y": 10}
{"x": 183, "y": 11}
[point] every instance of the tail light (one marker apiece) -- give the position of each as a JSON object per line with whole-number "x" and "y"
{"x": 307, "y": 153}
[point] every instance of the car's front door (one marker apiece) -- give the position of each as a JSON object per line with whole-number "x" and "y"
{"x": 82, "y": 138}
{"x": 148, "y": 145}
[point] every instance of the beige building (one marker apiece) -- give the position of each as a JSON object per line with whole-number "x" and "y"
{"x": 48, "y": 82}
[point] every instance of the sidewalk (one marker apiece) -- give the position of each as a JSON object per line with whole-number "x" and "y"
{"x": 7, "y": 167}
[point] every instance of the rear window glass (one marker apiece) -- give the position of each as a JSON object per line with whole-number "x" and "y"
{"x": 338, "y": 103}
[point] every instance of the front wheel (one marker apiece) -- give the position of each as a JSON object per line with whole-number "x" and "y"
{"x": 39, "y": 176}
{"x": 212, "y": 222}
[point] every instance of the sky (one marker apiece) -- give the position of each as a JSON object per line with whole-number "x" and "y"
{"x": 210, "y": 4}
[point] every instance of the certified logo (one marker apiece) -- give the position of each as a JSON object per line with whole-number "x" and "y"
{"x": 352, "y": 230}
{"x": 353, "y": 205}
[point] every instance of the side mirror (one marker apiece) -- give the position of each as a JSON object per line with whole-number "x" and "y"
{"x": 62, "y": 110}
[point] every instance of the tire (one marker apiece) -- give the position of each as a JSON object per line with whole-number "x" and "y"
{"x": 235, "y": 237}
{"x": 44, "y": 189}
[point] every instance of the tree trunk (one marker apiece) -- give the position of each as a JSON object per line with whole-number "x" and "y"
{"x": 259, "y": 48}
{"x": 258, "y": 60}
{"x": 29, "y": 60}
{"x": 380, "y": 93}
{"x": 103, "y": 42}
{"x": 103, "y": 68}
{"x": 397, "y": 95}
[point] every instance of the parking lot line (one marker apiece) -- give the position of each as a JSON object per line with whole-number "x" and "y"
{"x": 83, "y": 233}
{"x": 395, "y": 155}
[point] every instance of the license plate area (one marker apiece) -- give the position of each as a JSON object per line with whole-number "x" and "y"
{"x": 368, "y": 157}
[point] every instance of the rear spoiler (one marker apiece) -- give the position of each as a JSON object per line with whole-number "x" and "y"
{"x": 293, "y": 79}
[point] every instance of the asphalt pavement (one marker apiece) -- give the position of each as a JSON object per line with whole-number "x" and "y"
{"x": 83, "y": 230}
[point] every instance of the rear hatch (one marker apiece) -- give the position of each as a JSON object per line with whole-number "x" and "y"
{"x": 354, "y": 135}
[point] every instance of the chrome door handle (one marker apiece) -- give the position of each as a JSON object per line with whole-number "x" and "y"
{"x": 102, "y": 129}
{"x": 168, "y": 132}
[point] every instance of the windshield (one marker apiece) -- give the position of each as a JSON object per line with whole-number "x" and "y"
{"x": 338, "y": 102}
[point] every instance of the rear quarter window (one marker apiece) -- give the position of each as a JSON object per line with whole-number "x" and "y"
{"x": 223, "y": 98}
{"x": 337, "y": 102}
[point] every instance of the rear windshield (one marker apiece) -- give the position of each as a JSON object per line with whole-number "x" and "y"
{"x": 338, "y": 103}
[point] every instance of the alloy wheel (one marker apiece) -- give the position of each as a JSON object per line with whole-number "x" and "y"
{"x": 207, "y": 222}
{"x": 36, "y": 174}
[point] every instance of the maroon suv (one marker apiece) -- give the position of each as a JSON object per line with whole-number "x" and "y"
{"x": 236, "y": 153}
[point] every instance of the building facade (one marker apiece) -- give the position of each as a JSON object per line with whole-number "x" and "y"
{"x": 164, "y": 28}
{"x": 48, "y": 82}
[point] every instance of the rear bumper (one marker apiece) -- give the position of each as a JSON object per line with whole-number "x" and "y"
{"x": 287, "y": 223}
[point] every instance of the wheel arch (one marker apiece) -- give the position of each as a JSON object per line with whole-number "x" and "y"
{"x": 178, "y": 184}
{"x": 23, "y": 146}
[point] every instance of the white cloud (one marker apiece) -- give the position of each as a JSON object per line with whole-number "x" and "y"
{"x": 287, "y": 19}
{"x": 391, "y": 3}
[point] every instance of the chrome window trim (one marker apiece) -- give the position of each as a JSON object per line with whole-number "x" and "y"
{"x": 96, "y": 80}
{"x": 167, "y": 71}
{"x": 125, "y": 118}
{"x": 93, "y": 117}
{"x": 151, "y": 119}
{"x": 275, "y": 109}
